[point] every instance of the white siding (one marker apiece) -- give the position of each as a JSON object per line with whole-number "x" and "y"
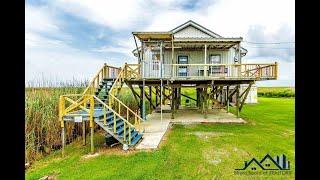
{"x": 191, "y": 32}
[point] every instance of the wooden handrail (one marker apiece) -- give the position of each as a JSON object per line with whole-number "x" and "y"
{"x": 111, "y": 109}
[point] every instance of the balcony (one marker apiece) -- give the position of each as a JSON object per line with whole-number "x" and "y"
{"x": 155, "y": 70}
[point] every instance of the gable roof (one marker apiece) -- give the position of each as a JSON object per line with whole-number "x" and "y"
{"x": 272, "y": 160}
{"x": 197, "y": 26}
{"x": 253, "y": 160}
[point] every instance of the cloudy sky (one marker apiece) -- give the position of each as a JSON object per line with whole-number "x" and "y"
{"x": 71, "y": 39}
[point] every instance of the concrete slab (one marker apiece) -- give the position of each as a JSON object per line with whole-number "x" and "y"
{"x": 155, "y": 128}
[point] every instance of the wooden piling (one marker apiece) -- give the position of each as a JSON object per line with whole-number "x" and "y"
{"x": 227, "y": 99}
{"x": 63, "y": 139}
{"x": 91, "y": 139}
{"x": 84, "y": 132}
{"x": 205, "y": 101}
{"x": 172, "y": 102}
{"x": 238, "y": 100}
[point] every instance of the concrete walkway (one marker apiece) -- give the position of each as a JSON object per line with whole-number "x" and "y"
{"x": 155, "y": 128}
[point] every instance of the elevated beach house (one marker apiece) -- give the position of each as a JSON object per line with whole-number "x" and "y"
{"x": 189, "y": 55}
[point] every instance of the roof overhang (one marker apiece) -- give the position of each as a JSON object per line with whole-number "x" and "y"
{"x": 209, "y": 40}
{"x": 145, "y": 36}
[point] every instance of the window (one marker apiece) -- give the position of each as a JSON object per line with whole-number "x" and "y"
{"x": 155, "y": 60}
{"x": 183, "y": 70}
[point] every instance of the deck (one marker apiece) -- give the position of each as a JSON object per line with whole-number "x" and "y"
{"x": 202, "y": 72}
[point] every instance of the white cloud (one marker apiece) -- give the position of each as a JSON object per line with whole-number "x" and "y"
{"x": 117, "y": 15}
{"x": 229, "y": 18}
{"x": 40, "y": 19}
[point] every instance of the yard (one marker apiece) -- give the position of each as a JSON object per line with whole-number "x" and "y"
{"x": 188, "y": 152}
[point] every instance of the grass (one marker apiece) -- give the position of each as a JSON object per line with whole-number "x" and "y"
{"x": 276, "y": 92}
{"x": 190, "y": 152}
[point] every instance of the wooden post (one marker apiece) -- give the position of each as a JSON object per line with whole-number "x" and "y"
{"x": 238, "y": 100}
{"x": 157, "y": 92}
{"x": 91, "y": 140}
{"x": 141, "y": 101}
{"x": 172, "y": 58}
{"x": 172, "y": 102}
{"x": 178, "y": 99}
{"x": 227, "y": 98}
{"x": 84, "y": 132}
{"x": 150, "y": 105}
{"x": 205, "y": 101}
{"x": 205, "y": 61}
{"x": 63, "y": 138}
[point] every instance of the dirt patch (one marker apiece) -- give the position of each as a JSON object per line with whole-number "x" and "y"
{"x": 215, "y": 156}
{"x": 49, "y": 177}
{"x": 288, "y": 133}
{"x": 89, "y": 156}
{"x": 207, "y": 135}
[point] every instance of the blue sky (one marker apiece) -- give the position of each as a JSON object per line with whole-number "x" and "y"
{"x": 67, "y": 39}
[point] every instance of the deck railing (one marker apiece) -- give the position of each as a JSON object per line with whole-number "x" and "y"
{"x": 207, "y": 71}
{"x": 105, "y": 72}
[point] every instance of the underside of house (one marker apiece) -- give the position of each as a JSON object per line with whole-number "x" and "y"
{"x": 188, "y": 56}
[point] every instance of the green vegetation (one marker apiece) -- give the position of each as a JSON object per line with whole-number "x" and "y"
{"x": 189, "y": 152}
{"x": 276, "y": 92}
{"x": 42, "y": 129}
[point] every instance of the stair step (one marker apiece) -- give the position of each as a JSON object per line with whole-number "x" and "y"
{"x": 134, "y": 134}
{"x": 127, "y": 132}
{"x": 120, "y": 130}
{"x": 135, "y": 140}
{"x": 118, "y": 121}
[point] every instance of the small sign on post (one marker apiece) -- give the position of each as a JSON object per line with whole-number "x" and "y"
{"x": 78, "y": 119}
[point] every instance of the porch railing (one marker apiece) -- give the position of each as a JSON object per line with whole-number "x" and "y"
{"x": 208, "y": 71}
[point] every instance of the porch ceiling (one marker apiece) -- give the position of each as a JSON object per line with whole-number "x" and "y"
{"x": 153, "y": 35}
{"x": 201, "y": 45}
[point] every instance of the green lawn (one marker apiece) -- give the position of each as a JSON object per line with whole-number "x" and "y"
{"x": 189, "y": 152}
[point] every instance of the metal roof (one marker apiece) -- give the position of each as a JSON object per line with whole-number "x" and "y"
{"x": 153, "y": 35}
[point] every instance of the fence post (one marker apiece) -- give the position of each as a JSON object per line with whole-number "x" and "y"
{"x": 91, "y": 122}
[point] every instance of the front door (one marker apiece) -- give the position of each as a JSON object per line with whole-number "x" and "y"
{"x": 182, "y": 70}
{"x": 215, "y": 59}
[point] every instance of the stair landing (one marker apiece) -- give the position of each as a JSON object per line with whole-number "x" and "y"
{"x": 155, "y": 128}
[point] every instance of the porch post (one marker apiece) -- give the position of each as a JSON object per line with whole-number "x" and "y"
{"x": 161, "y": 84}
{"x": 205, "y": 73}
{"x": 172, "y": 58}
{"x": 239, "y": 60}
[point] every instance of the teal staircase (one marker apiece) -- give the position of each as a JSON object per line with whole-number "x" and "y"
{"x": 112, "y": 124}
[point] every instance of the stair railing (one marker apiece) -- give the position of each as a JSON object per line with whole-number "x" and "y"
{"x": 126, "y": 123}
{"x": 105, "y": 72}
{"x": 114, "y": 102}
